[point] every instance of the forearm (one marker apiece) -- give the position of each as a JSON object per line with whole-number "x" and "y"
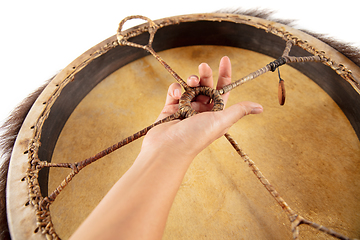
{"x": 138, "y": 205}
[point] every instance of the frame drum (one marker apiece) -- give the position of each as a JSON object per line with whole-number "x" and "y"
{"x": 309, "y": 148}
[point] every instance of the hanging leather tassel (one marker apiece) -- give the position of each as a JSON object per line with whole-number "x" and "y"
{"x": 281, "y": 90}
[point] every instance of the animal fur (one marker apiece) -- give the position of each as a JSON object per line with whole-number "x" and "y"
{"x": 351, "y": 52}
{"x": 10, "y": 130}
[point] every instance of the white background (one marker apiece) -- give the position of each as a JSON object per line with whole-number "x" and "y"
{"x": 39, "y": 38}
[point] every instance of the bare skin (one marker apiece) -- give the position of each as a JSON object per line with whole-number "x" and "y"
{"x": 138, "y": 204}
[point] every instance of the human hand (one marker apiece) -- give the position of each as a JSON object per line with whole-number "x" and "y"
{"x": 138, "y": 205}
{"x": 190, "y": 136}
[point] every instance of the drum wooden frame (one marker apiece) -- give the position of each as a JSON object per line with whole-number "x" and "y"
{"x": 337, "y": 76}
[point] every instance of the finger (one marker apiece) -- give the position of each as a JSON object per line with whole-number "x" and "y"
{"x": 193, "y": 81}
{"x": 206, "y": 78}
{"x": 237, "y": 111}
{"x": 173, "y": 94}
{"x": 212, "y": 125}
{"x": 224, "y": 76}
{"x": 172, "y": 100}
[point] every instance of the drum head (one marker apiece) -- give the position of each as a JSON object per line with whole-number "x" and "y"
{"x": 308, "y": 149}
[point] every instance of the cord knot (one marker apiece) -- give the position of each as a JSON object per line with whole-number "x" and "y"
{"x": 277, "y": 63}
{"x": 185, "y": 107}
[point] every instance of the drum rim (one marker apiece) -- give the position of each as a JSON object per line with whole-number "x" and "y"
{"x": 27, "y": 146}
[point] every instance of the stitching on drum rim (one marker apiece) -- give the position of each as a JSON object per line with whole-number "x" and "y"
{"x": 35, "y": 164}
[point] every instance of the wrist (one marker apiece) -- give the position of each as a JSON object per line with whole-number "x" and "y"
{"x": 165, "y": 155}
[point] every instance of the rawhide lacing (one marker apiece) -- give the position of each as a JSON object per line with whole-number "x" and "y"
{"x": 42, "y": 204}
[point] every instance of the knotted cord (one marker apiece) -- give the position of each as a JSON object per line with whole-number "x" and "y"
{"x": 185, "y": 111}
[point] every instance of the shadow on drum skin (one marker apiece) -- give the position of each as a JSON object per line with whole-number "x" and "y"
{"x": 83, "y": 83}
{"x": 215, "y": 204}
{"x": 179, "y": 35}
{"x": 244, "y": 189}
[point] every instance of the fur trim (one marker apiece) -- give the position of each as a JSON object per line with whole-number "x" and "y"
{"x": 349, "y": 51}
{"x": 9, "y": 132}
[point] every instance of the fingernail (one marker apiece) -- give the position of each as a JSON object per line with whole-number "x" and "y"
{"x": 256, "y": 108}
{"x": 177, "y": 93}
{"x": 204, "y": 64}
{"x": 194, "y": 78}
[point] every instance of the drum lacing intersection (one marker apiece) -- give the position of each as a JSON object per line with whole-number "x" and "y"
{"x": 185, "y": 111}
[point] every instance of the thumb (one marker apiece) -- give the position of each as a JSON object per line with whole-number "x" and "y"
{"x": 234, "y": 113}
